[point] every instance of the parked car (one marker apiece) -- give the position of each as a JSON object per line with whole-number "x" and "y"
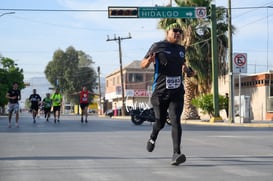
{"x": 109, "y": 113}
{"x": 93, "y": 111}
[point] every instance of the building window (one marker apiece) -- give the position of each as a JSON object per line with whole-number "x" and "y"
{"x": 271, "y": 90}
{"x": 135, "y": 77}
{"x": 118, "y": 80}
{"x": 114, "y": 81}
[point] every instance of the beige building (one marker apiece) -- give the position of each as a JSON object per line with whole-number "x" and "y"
{"x": 258, "y": 88}
{"x": 137, "y": 86}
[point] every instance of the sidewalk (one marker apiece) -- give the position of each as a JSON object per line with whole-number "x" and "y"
{"x": 253, "y": 123}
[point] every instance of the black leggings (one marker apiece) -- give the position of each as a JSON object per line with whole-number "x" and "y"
{"x": 174, "y": 105}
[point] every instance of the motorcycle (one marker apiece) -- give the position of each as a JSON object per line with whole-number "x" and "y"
{"x": 138, "y": 116}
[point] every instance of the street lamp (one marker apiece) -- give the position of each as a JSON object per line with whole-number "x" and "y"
{"x": 3, "y": 14}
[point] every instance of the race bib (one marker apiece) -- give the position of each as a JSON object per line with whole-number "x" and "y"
{"x": 84, "y": 99}
{"x": 173, "y": 82}
{"x": 33, "y": 99}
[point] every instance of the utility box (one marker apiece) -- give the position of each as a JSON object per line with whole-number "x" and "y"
{"x": 242, "y": 109}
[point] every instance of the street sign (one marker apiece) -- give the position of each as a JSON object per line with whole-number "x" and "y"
{"x": 157, "y": 12}
{"x": 172, "y": 12}
{"x": 239, "y": 63}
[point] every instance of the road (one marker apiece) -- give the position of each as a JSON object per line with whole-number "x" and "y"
{"x": 108, "y": 149}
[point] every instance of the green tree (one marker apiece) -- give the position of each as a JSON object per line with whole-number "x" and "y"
{"x": 70, "y": 70}
{"x": 9, "y": 73}
{"x": 197, "y": 33}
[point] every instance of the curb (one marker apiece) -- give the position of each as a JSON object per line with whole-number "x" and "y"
{"x": 202, "y": 122}
{"x": 261, "y": 125}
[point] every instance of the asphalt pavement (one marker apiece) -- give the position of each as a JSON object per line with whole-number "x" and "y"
{"x": 108, "y": 149}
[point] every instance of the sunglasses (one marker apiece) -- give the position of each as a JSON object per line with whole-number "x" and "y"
{"x": 177, "y": 30}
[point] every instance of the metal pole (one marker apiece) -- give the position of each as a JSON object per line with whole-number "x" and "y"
{"x": 240, "y": 109}
{"x": 214, "y": 62}
{"x": 101, "y": 107}
{"x": 121, "y": 69}
{"x": 231, "y": 77}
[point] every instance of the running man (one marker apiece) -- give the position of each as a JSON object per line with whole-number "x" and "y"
{"x": 168, "y": 58}
{"x": 84, "y": 102}
{"x": 35, "y": 100}
{"x": 57, "y": 100}
{"x": 14, "y": 95}
{"x": 47, "y": 103}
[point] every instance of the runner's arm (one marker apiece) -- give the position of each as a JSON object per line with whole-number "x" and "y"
{"x": 145, "y": 63}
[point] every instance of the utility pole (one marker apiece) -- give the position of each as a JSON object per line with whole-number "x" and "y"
{"x": 118, "y": 39}
{"x": 230, "y": 62}
{"x": 101, "y": 107}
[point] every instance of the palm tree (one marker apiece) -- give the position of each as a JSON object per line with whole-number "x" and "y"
{"x": 197, "y": 42}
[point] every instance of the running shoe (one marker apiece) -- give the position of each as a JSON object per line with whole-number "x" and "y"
{"x": 17, "y": 125}
{"x": 150, "y": 145}
{"x": 9, "y": 125}
{"x": 178, "y": 159}
{"x": 86, "y": 121}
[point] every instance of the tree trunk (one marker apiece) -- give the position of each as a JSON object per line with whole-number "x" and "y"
{"x": 2, "y": 110}
{"x": 190, "y": 112}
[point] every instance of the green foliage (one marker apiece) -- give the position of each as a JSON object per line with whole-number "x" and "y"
{"x": 70, "y": 70}
{"x": 9, "y": 73}
{"x": 27, "y": 103}
{"x": 205, "y": 103}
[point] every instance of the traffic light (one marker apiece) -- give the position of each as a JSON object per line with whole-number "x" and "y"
{"x": 122, "y": 12}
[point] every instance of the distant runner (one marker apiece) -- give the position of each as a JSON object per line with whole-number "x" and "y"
{"x": 84, "y": 102}
{"x": 35, "y": 100}
{"x": 14, "y": 95}
{"x": 47, "y": 103}
{"x": 57, "y": 100}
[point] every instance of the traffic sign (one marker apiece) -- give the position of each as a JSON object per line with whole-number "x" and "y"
{"x": 157, "y": 12}
{"x": 239, "y": 63}
{"x": 172, "y": 12}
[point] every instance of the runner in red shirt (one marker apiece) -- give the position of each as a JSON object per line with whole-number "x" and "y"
{"x": 84, "y": 102}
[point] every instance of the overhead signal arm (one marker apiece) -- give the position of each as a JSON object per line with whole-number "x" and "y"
{"x": 122, "y": 12}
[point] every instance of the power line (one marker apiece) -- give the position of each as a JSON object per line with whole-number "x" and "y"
{"x": 56, "y": 10}
{"x": 250, "y": 11}
{"x": 99, "y": 10}
{"x": 254, "y": 7}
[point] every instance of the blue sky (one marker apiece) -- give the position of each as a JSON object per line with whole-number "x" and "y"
{"x": 30, "y": 38}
